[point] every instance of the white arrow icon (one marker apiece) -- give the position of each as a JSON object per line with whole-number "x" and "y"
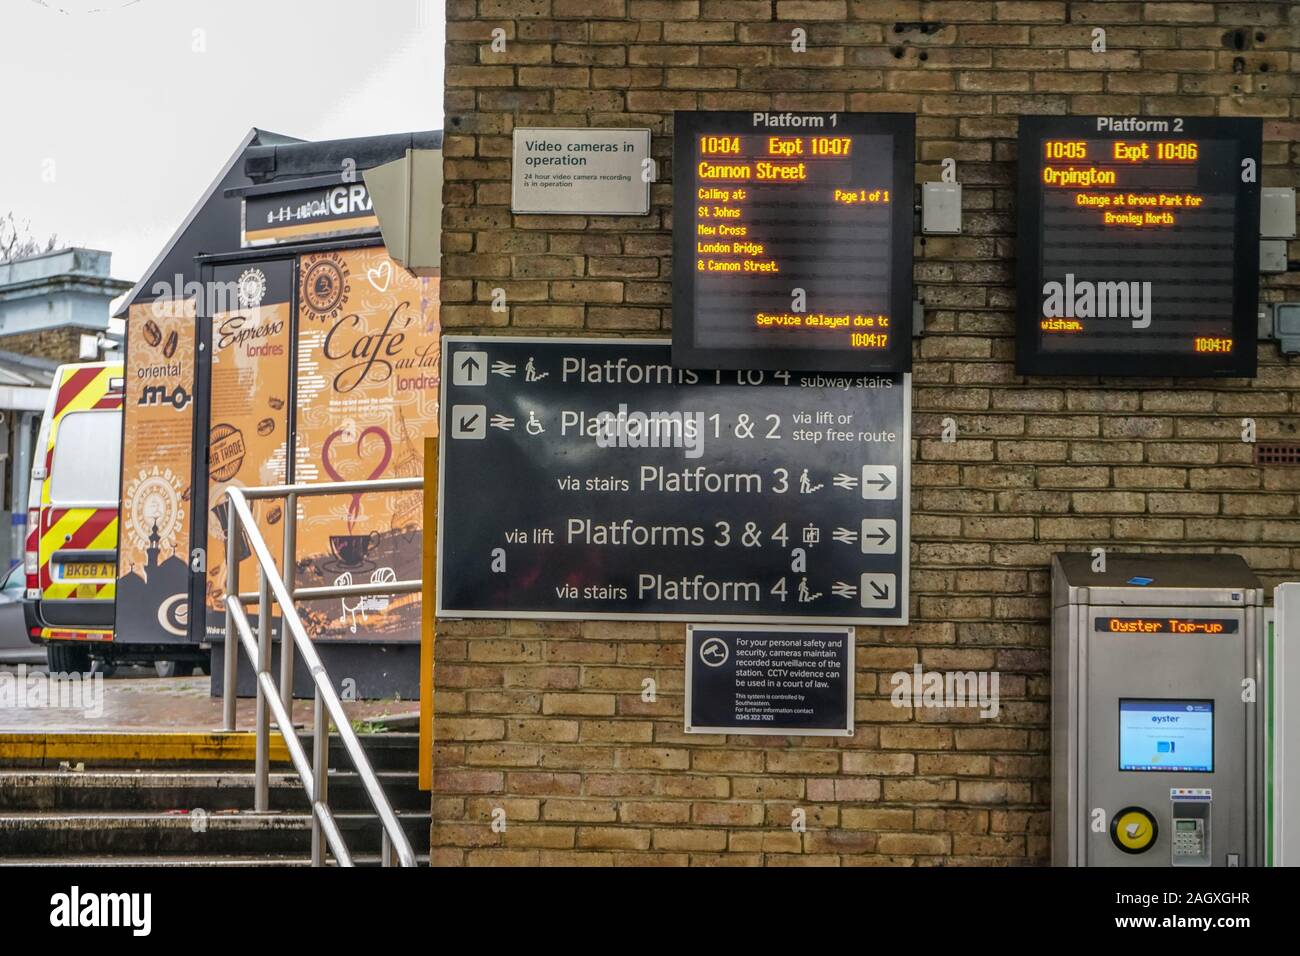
{"x": 469, "y": 368}
{"x": 503, "y": 368}
{"x": 879, "y": 536}
{"x": 468, "y": 421}
{"x": 878, "y": 590}
{"x": 503, "y": 422}
{"x": 845, "y": 481}
{"x": 880, "y": 481}
{"x": 840, "y": 589}
{"x": 845, "y": 536}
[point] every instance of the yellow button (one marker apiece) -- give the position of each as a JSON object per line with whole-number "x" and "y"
{"x": 1133, "y": 830}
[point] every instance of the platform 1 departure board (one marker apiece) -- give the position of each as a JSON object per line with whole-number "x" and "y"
{"x": 792, "y": 241}
{"x": 1138, "y": 246}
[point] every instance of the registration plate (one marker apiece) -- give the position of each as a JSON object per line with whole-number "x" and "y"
{"x": 95, "y": 569}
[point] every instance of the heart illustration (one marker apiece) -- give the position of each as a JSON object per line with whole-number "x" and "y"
{"x": 381, "y": 275}
{"x": 376, "y": 472}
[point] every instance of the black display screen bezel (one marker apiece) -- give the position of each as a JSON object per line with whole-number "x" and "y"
{"x": 689, "y": 124}
{"x": 1032, "y": 360}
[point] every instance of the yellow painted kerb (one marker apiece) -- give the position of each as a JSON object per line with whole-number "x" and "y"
{"x": 145, "y": 747}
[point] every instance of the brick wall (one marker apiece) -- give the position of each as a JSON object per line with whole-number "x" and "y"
{"x": 59, "y": 345}
{"x": 545, "y": 720}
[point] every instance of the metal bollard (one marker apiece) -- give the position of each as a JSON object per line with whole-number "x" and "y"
{"x": 289, "y": 560}
{"x": 262, "y": 766}
{"x": 320, "y": 762}
{"x": 228, "y": 697}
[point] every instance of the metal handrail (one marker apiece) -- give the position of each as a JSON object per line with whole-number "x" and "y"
{"x": 327, "y": 707}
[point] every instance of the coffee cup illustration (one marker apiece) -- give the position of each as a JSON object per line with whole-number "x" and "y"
{"x": 351, "y": 549}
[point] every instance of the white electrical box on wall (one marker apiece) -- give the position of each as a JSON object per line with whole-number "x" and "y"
{"x": 1272, "y": 255}
{"x": 941, "y": 209}
{"x": 1277, "y": 213}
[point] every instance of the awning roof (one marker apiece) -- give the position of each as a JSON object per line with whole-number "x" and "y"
{"x": 263, "y": 162}
{"x": 16, "y": 369}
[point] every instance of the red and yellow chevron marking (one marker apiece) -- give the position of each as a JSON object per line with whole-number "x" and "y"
{"x": 77, "y": 529}
{"x": 84, "y": 389}
{"x": 60, "y": 634}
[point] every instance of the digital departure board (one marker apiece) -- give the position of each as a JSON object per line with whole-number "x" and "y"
{"x": 1138, "y": 246}
{"x": 792, "y": 241}
{"x": 1164, "y": 625}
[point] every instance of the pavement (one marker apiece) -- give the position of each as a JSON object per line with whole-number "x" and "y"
{"x": 22, "y": 655}
{"x": 136, "y": 699}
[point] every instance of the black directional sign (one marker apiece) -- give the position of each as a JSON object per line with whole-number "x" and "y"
{"x": 769, "y": 679}
{"x": 587, "y": 478}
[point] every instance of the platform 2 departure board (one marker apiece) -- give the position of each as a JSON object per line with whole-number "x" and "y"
{"x": 792, "y": 241}
{"x": 1138, "y": 246}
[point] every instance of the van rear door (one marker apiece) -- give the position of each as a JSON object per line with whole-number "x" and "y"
{"x": 78, "y": 511}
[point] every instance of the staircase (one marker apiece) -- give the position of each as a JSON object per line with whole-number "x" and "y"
{"x": 197, "y": 811}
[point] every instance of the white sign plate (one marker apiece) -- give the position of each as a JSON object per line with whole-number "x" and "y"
{"x": 580, "y": 171}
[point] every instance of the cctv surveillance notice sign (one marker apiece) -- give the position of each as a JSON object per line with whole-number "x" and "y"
{"x": 1138, "y": 246}
{"x": 792, "y": 241}
{"x": 591, "y": 479}
{"x": 755, "y": 679}
{"x": 583, "y": 171}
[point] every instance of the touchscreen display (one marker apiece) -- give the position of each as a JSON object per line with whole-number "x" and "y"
{"x": 1173, "y": 735}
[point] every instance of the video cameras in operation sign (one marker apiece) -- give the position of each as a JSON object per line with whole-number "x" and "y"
{"x": 581, "y": 171}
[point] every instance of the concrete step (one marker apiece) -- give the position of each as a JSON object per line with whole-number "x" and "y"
{"x": 58, "y": 835}
{"x": 277, "y": 859}
{"x": 40, "y": 789}
{"x": 268, "y": 859}
{"x": 133, "y": 749}
{"x": 129, "y": 799}
{"x": 386, "y": 751}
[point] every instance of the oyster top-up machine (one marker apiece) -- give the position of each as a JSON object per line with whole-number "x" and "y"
{"x": 1156, "y": 739}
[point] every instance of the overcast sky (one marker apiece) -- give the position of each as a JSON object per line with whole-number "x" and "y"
{"x": 131, "y": 112}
